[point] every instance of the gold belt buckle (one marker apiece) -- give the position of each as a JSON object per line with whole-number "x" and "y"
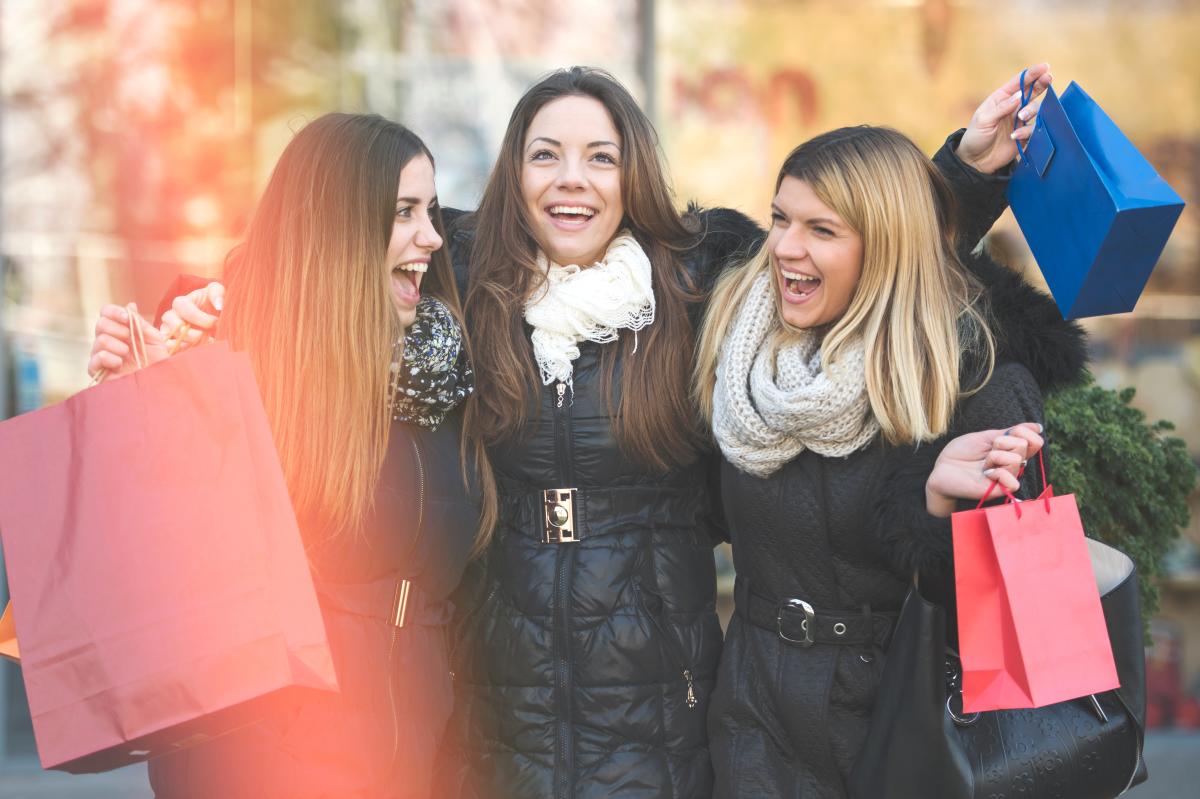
{"x": 558, "y": 514}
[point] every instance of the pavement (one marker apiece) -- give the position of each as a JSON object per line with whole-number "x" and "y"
{"x": 1172, "y": 757}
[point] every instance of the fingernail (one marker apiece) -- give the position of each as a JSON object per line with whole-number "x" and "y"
{"x": 1025, "y": 113}
{"x": 988, "y": 472}
{"x": 1014, "y": 96}
{"x": 1013, "y": 135}
{"x": 1040, "y": 428}
{"x": 125, "y": 316}
{"x": 217, "y": 302}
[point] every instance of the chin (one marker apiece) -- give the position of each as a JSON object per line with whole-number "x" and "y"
{"x": 406, "y": 316}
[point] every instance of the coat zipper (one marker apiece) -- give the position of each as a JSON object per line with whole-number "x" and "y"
{"x": 671, "y": 642}
{"x": 391, "y": 682}
{"x": 562, "y": 639}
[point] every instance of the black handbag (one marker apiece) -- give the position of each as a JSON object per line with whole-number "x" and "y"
{"x": 921, "y": 745}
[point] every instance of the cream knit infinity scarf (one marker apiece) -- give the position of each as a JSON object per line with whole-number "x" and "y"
{"x": 592, "y": 304}
{"x": 773, "y": 401}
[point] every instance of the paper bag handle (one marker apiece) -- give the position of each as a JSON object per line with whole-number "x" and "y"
{"x": 137, "y": 341}
{"x": 1025, "y": 100}
{"x": 1009, "y": 495}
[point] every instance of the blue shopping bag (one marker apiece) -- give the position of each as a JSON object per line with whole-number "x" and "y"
{"x": 1094, "y": 211}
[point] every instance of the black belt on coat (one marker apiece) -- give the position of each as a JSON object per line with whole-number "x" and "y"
{"x": 797, "y": 622}
{"x": 396, "y": 601}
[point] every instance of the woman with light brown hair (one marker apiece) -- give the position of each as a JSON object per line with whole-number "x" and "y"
{"x": 343, "y": 298}
{"x": 834, "y": 367}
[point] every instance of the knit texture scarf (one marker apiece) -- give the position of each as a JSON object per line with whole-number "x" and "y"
{"x": 592, "y": 304}
{"x": 433, "y": 375}
{"x": 773, "y": 399}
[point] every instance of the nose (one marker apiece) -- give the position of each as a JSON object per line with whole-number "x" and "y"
{"x": 791, "y": 246}
{"x": 570, "y": 174}
{"x": 427, "y": 237}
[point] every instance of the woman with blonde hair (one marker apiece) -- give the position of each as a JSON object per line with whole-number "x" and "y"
{"x": 834, "y": 366}
{"x": 343, "y": 298}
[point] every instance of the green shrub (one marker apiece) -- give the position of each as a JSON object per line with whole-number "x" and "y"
{"x": 1131, "y": 480}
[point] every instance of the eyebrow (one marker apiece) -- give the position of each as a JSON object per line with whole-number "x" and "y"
{"x": 557, "y": 143}
{"x": 819, "y": 220}
{"x": 414, "y": 201}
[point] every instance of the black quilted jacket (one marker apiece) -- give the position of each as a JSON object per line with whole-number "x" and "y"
{"x": 585, "y": 670}
{"x": 846, "y": 534}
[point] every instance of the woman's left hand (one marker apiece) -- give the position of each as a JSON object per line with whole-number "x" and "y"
{"x": 970, "y": 463}
{"x": 990, "y": 142}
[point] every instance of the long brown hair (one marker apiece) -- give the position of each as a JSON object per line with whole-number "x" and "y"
{"x": 309, "y": 300}
{"x": 915, "y": 308}
{"x": 654, "y": 418}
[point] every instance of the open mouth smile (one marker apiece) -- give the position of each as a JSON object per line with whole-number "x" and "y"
{"x": 799, "y": 287}
{"x": 570, "y": 217}
{"x": 406, "y": 280}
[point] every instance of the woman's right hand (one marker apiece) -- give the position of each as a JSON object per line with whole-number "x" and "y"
{"x": 199, "y": 310}
{"x": 112, "y": 351}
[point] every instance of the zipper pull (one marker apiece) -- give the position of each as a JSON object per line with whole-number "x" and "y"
{"x": 562, "y": 389}
{"x": 691, "y": 694}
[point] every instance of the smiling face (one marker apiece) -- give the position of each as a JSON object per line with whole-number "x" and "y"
{"x": 414, "y": 238}
{"x": 571, "y": 179}
{"x": 816, "y": 257}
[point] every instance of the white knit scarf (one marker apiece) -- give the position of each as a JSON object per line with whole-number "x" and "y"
{"x": 774, "y": 400}
{"x": 592, "y": 304}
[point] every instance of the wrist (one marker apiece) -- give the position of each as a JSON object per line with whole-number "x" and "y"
{"x": 937, "y": 504}
{"x": 970, "y": 161}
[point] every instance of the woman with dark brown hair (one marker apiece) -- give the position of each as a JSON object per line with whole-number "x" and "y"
{"x": 343, "y": 298}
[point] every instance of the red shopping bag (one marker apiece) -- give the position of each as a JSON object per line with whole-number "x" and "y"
{"x": 160, "y": 588}
{"x": 1031, "y": 628}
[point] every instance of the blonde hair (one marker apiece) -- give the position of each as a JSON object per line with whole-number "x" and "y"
{"x": 915, "y": 307}
{"x": 309, "y": 299}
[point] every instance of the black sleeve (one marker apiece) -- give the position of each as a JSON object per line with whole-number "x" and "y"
{"x": 460, "y": 235}
{"x": 182, "y": 284}
{"x": 911, "y": 539}
{"x": 718, "y": 527}
{"x": 726, "y": 238}
{"x": 981, "y": 198}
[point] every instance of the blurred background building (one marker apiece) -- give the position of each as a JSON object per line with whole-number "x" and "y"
{"x": 136, "y": 134}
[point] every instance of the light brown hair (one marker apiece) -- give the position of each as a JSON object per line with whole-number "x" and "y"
{"x": 309, "y": 299}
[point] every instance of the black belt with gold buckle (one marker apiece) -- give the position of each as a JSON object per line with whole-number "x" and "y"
{"x": 559, "y": 517}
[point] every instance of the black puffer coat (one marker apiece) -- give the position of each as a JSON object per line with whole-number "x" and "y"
{"x": 846, "y": 535}
{"x": 584, "y": 669}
